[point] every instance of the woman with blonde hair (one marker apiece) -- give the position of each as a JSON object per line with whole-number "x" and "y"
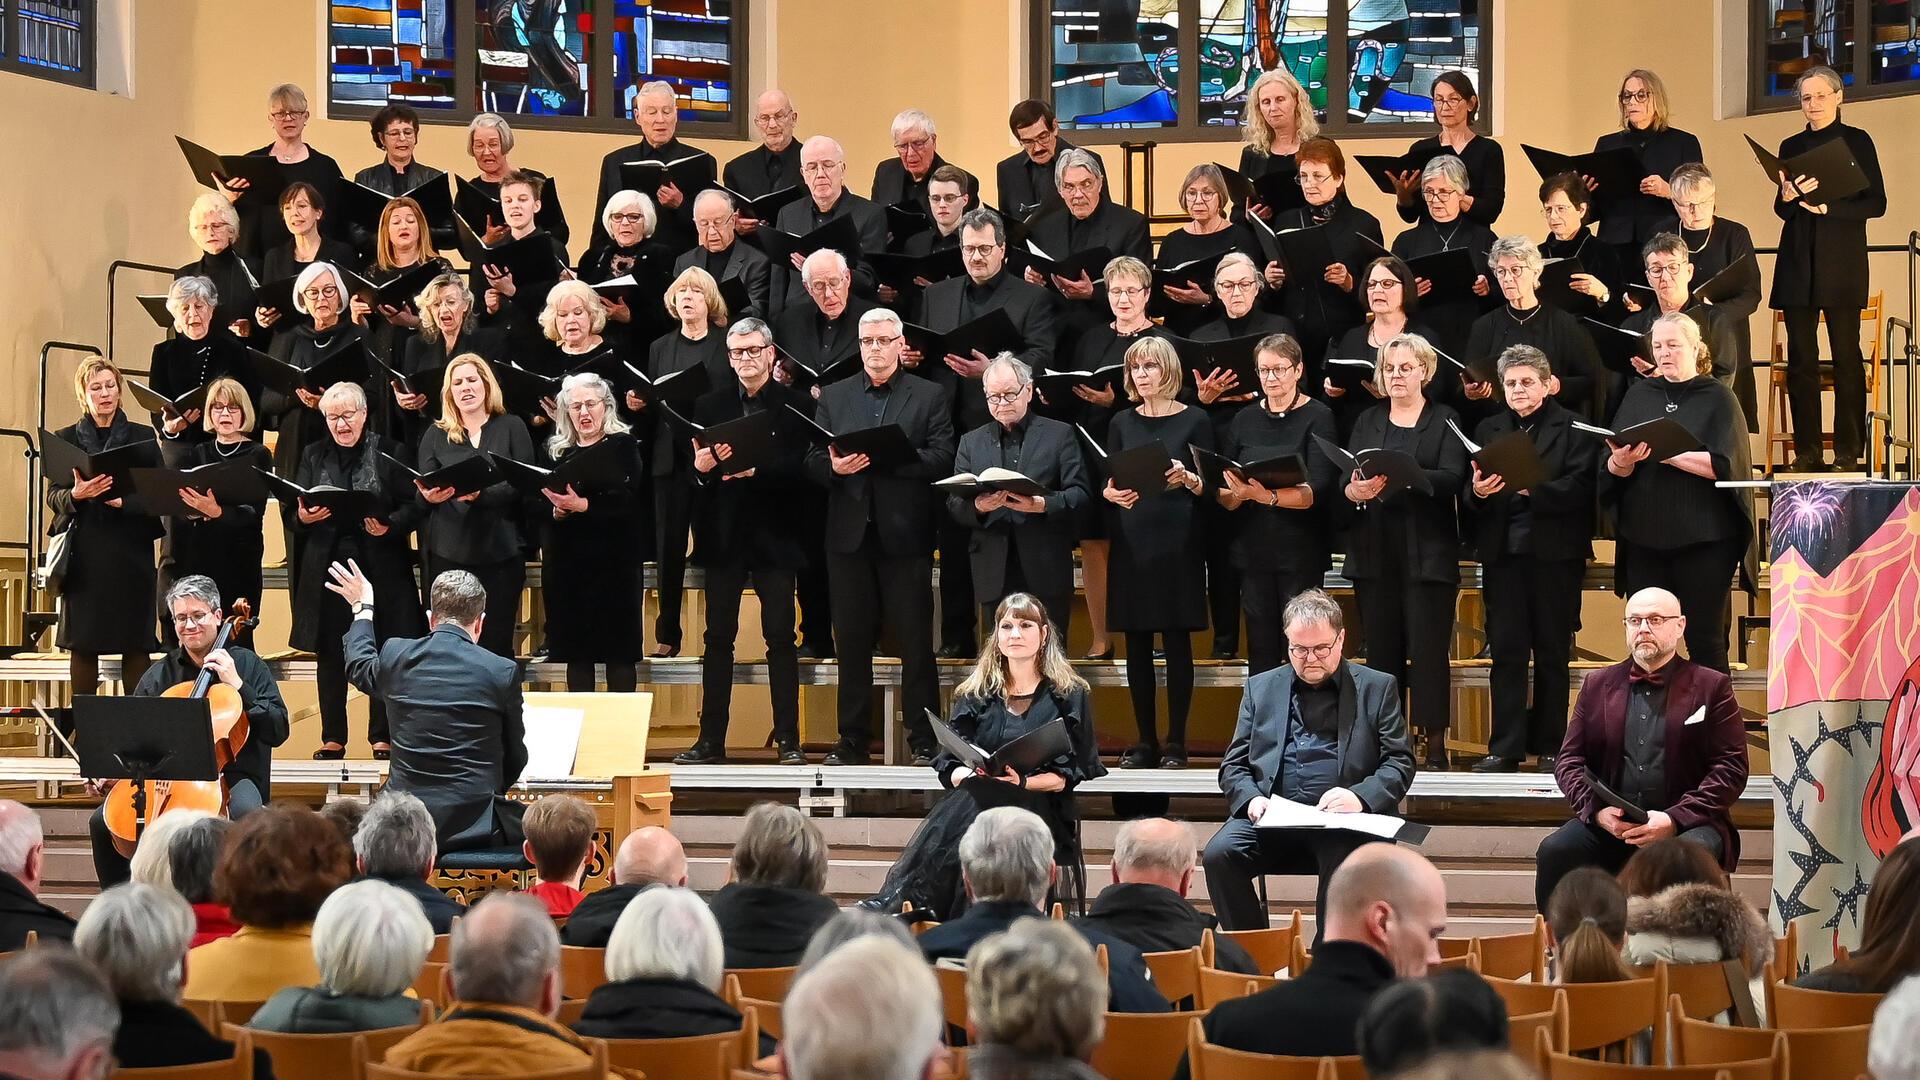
{"x": 1628, "y": 219}
{"x": 1278, "y": 118}
{"x": 448, "y": 328}
{"x": 214, "y": 227}
{"x": 592, "y": 572}
{"x": 222, "y": 539}
{"x": 479, "y": 531}
{"x": 1021, "y": 683}
{"x": 404, "y": 247}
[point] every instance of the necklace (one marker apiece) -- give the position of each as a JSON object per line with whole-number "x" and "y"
{"x": 1672, "y": 405}
{"x": 322, "y": 343}
{"x": 220, "y": 448}
{"x": 1705, "y": 240}
{"x": 1529, "y": 317}
{"x": 1292, "y": 402}
{"x": 1446, "y": 242}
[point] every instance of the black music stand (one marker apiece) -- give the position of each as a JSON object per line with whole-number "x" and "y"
{"x": 142, "y": 739}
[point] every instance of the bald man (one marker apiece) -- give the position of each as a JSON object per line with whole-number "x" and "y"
{"x": 648, "y": 856}
{"x": 1665, "y": 734}
{"x": 823, "y": 169}
{"x": 1386, "y": 908}
{"x": 1147, "y": 907}
{"x": 775, "y": 163}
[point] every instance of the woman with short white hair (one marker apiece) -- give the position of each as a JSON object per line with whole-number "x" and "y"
{"x": 369, "y": 941}
{"x": 319, "y": 293}
{"x": 490, "y": 145}
{"x": 664, "y": 961}
{"x": 198, "y": 353}
{"x": 1037, "y": 1001}
{"x": 214, "y": 227}
{"x": 594, "y": 543}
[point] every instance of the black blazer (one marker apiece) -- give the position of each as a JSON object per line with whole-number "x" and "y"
{"x": 1322, "y": 310}
{"x": 754, "y": 521}
{"x": 1014, "y": 178}
{"x": 1129, "y": 987}
{"x": 486, "y": 530}
{"x": 21, "y": 911}
{"x": 1029, "y": 307}
{"x": 900, "y": 500}
{"x": 1154, "y": 918}
{"x": 891, "y": 187}
{"x": 1432, "y": 551}
{"x": 1836, "y": 241}
{"x": 797, "y": 217}
{"x": 660, "y": 1009}
{"x": 157, "y": 1034}
{"x": 746, "y": 264}
{"x": 1043, "y": 543}
{"x": 797, "y": 332}
{"x": 753, "y": 175}
{"x": 458, "y": 738}
{"x": 1312, "y": 1015}
{"x": 675, "y": 228}
{"x": 1376, "y": 761}
{"x": 767, "y": 926}
{"x": 1560, "y": 511}
{"x": 1631, "y": 217}
{"x": 1120, "y": 229}
{"x": 439, "y": 908}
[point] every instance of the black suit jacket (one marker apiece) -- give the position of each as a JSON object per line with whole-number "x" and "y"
{"x": 797, "y": 331}
{"x": 158, "y": 1034}
{"x": 1029, "y": 307}
{"x": 1313, "y": 1015}
{"x": 899, "y": 500}
{"x": 748, "y": 174}
{"x": 1560, "y": 511}
{"x": 1120, "y": 229}
{"x": 1432, "y": 548}
{"x": 1375, "y": 758}
{"x": 797, "y": 218}
{"x": 890, "y": 185}
{"x": 1015, "y": 182}
{"x": 1129, "y": 986}
{"x": 458, "y": 738}
{"x": 1154, "y": 918}
{"x": 746, "y": 264}
{"x": 439, "y": 908}
{"x": 675, "y": 228}
{"x": 591, "y": 924}
{"x": 21, "y": 911}
{"x": 754, "y": 521}
{"x": 1043, "y": 543}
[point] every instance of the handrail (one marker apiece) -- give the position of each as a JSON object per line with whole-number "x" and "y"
{"x": 113, "y": 269}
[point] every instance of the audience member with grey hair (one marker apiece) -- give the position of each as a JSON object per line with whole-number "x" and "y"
{"x": 664, "y": 966}
{"x": 771, "y": 908}
{"x": 369, "y": 941}
{"x": 868, "y": 1011}
{"x": 851, "y": 924}
{"x": 60, "y": 1017}
{"x": 395, "y": 844}
{"x": 1006, "y": 860}
{"x": 505, "y": 980}
{"x": 650, "y": 855}
{"x": 1147, "y": 906}
{"x": 1037, "y": 1002}
{"x": 152, "y": 862}
{"x": 22, "y": 860}
{"x": 1892, "y": 1051}
{"x": 193, "y": 853}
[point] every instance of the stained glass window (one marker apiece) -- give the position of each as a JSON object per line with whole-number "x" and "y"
{"x": 687, "y": 43}
{"x": 52, "y": 39}
{"x": 1874, "y": 46}
{"x": 534, "y": 59}
{"x": 1115, "y": 63}
{"x": 1896, "y": 43}
{"x": 381, "y": 51}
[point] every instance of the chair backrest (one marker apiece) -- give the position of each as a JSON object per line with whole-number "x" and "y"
{"x": 233, "y": 1012}
{"x": 442, "y": 948}
{"x": 695, "y": 1057}
{"x": 1142, "y": 1046}
{"x": 364, "y": 1068}
{"x": 1786, "y": 955}
{"x": 582, "y": 970}
{"x": 1702, "y": 988}
{"x": 1598, "y": 1014}
{"x": 317, "y": 1057}
{"x": 1522, "y": 1029}
{"x": 431, "y": 983}
{"x": 1272, "y": 948}
{"x": 203, "y": 1011}
{"x": 1217, "y": 986}
{"x": 1791, "y": 1008}
{"x": 237, "y": 1067}
{"x": 767, "y": 1011}
{"x": 1454, "y": 947}
{"x": 1176, "y": 974}
{"x": 1058, "y": 911}
{"x": 570, "y": 1011}
{"x": 1300, "y": 959}
{"x": 1206, "y": 1061}
{"x": 922, "y": 927}
{"x": 953, "y": 994}
{"x": 1515, "y": 956}
{"x": 1829, "y": 1054}
{"x": 1469, "y": 961}
{"x": 1567, "y": 1067}
{"x": 770, "y": 984}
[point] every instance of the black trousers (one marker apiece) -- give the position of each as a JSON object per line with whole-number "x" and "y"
{"x": 774, "y": 587}
{"x": 1223, "y": 578}
{"x": 1701, "y": 575}
{"x": 1263, "y": 596}
{"x": 1178, "y": 645}
{"x": 1803, "y": 380}
{"x": 330, "y": 678}
{"x": 672, "y": 518}
{"x": 810, "y": 583}
{"x": 957, "y": 626}
{"x": 1531, "y": 606}
{"x": 870, "y": 587}
{"x": 622, "y": 678}
{"x": 1241, "y": 850}
{"x": 1409, "y": 628}
{"x": 1579, "y": 843}
{"x": 112, "y": 868}
{"x": 83, "y": 671}
{"x": 503, "y": 581}
{"x": 1057, "y": 601}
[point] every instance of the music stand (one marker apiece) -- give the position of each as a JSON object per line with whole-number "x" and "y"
{"x": 142, "y": 739}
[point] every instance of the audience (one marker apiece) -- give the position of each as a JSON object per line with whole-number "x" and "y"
{"x": 394, "y": 843}
{"x": 1386, "y": 909}
{"x": 60, "y": 1017}
{"x": 1587, "y": 919}
{"x": 648, "y": 856}
{"x": 1412, "y": 1020}
{"x": 868, "y": 1011}
{"x": 279, "y": 865}
{"x": 152, "y": 862}
{"x": 664, "y": 960}
{"x": 1472, "y": 1065}
{"x": 346, "y": 815}
{"x": 505, "y": 973}
{"x": 559, "y": 839}
{"x": 137, "y": 935}
{"x": 1036, "y": 1004}
{"x": 1146, "y": 906}
{"x": 22, "y": 850}
{"x": 771, "y": 908}
{"x": 1690, "y": 916}
{"x": 191, "y": 860}
{"x": 1006, "y": 863}
{"x": 369, "y": 942}
{"x": 851, "y": 924}
{"x": 1892, "y": 1051}
{"x": 1889, "y": 933}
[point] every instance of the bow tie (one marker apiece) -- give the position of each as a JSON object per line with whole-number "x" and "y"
{"x": 1638, "y": 674}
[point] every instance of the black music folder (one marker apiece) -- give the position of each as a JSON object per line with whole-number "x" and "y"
{"x": 751, "y": 440}
{"x": 990, "y": 335}
{"x": 1616, "y": 173}
{"x": 1512, "y": 457}
{"x": 841, "y": 235}
{"x": 156, "y": 308}
{"x": 262, "y": 172}
{"x": 1618, "y": 347}
{"x": 1305, "y": 253}
{"x": 905, "y": 219}
{"x": 154, "y": 401}
{"x": 1452, "y": 272}
{"x": 1831, "y": 163}
{"x": 63, "y": 459}
{"x": 344, "y": 502}
{"x": 596, "y": 468}
{"x": 1556, "y": 287}
{"x": 1603, "y": 791}
{"x": 397, "y": 293}
{"x": 680, "y": 388}
{"x": 1399, "y": 467}
{"x": 805, "y": 376}
{"x": 1732, "y": 279}
{"x": 648, "y": 177}
{"x": 1663, "y": 435}
{"x": 364, "y": 205}
{"x": 988, "y": 481}
{"x": 885, "y": 445}
{"x": 1024, "y": 755}
{"x": 1348, "y": 372}
{"x": 1091, "y": 262}
{"x": 1287, "y": 470}
{"x": 230, "y": 483}
{"x": 531, "y": 259}
{"x": 1277, "y": 191}
{"x": 425, "y": 382}
{"x": 904, "y": 271}
{"x": 1057, "y": 386}
{"x": 1382, "y": 167}
{"x": 764, "y": 207}
{"x": 466, "y": 476}
{"x": 348, "y": 363}
{"x": 1142, "y": 469}
{"x": 1202, "y": 358}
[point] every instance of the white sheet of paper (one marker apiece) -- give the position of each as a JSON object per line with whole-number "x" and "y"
{"x": 553, "y": 740}
{"x": 1287, "y": 814}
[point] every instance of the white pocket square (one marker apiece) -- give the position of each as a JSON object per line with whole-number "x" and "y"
{"x": 1699, "y": 716}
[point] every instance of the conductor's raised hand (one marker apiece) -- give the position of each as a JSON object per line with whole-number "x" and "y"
{"x": 349, "y": 582}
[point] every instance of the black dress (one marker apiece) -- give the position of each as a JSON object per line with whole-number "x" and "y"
{"x": 108, "y": 593}
{"x": 1156, "y": 576}
{"x": 671, "y": 469}
{"x": 927, "y": 873}
{"x": 1486, "y": 166}
{"x": 261, "y": 226}
{"x": 1322, "y": 310}
{"x": 1722, "y": 244}
{"x": 422, "y": 356}
{"x": 1451, "y": 320}
{"x": 1181, "y": 246}
{"x": 1584, "y": 381}
{"x": 389, "y": 343}
{"x": 281, "y": 263}
{"x": 1280, "y": 552}
{"x": 181, "y": 364}
{"x": 593, "y": 570}
{"x": 1628, "y": 219}
{"x": 482, "y": 536}
{"x": 229, "y": 549}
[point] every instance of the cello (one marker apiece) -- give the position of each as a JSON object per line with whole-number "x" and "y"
{"x": 229, "y": 717}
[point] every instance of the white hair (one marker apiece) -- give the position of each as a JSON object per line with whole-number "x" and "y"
{"x": 1142, "y": 845}
{"x": 824, "y": 255}
{"x": 1007, "y": 854}
{"x": 870, "y": 1010}
{"x": 627, "y": 200}
{"x": 137, "y": 935}
{"x": 875, "y": 316}
{"x": 656, "y": 88}
{"x": 912, "y": 120}
{"x": 345, "y": 391}
{"x": 1076, "y": 158}
{"x": 314, "y": 272}
{"x": 19, "y": 835}
{"x": 152, "y": 862}
{"x": 714, "y": 194}
{"x": 495, "y": 121}
{"x": 396, "y": 836}
{"x": 370, "y": 939}
{"x": 187, "y": 289}
{"x": 215, "y": 204}
{"x": 1892, "y": 1051}
{"x": 667, "y": 933}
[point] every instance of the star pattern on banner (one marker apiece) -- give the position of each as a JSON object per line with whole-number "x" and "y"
{"x": 1847, "y": 901}
{"x": 1809, "y": 862}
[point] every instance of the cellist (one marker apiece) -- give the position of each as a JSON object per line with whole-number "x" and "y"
{"x": 194, "y": 604}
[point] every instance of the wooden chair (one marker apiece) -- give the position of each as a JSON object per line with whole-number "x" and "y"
{"x": 1206, "y": 1061}
{"x": 1271, "y": 948}
{"x": 236, "y": 1013}
{"x": 442, "y": 948}
{"x": 1701, "y": 988}
{"x": 922, "y": 927}
{"x": 1058, "y": 912}
{"x": 237, "y": 1067}
{"x": 1515, "y": 956}
{"x": 366, "y": 1069}
{"x": 1598, "y": 1014}
{"x": 768, "y": 984}
{"x": 767, "y": 1011}
{"x": 1786, "y": 955}
{"x": 1452, "y": 948}
{"x": 1142, "y": 1046}
{"x": 696, "y": 1057}
{"x": 1468, "y": 962}
{"x": 1176, "y": 974}
{"x": 433, "y": 985}
{"x": 1791, "y": 1008}
{"x": 318, "y": 1057}
{"x": 1778, "y": 436}
{"x": 1300, "y": 960}
{"x": 953, "y": 994}
{"x": 570, "y": 1011}
{"x": 203, "y": 1011}
{"x": 1828, "y": 1054}
{"x": 1521, "y": 1029}
{"x": 1566, "y": 1067}
{"x": 582, "y": 970}
{"x": 1217, "y": 986}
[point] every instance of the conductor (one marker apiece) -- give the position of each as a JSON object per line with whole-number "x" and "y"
{"x": 454, "y": 708}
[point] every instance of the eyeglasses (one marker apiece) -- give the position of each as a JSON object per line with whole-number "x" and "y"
{"x": 224, "y": 407}
{"x": 815, "y": 168}
{"x": 1694, "y": 207}
{"x": 1315, "y": 179}
{"x": 1318, "y": 652}
{"x": 878, "y": 342}
{"x": 627, "y": 219}
{"x": 288, "y": 114}
{"x": 1237, "y": 285}
{"x": 342, "y": 417}
{"x": 1383, "y": 284}
{"x": 943, "y": 200}
{"x": 1269, "y": 374}
{"x": 773, "y": 119}
{"x": 1201, "y": 195}
{"x": 193, "y": 618}
{"x": 1509, "y": 273}
{"x": 747, "y": 353}
{"x": 711, "y": 226}
{"x": 1635, "y": 97}
{"x": 1433, "y": 194}
{"x": 1449, "y": 101}
{"x": 914, "y": 146}
{"x": 1665, "y": 271}
{"x": 1080, "y": 187}
{"x": 590, "y": 405}
{"x": 1127, "y": 292}
{"x": 826, "y": 286}
{"x": 1037, "y": 141}
{"x": 1650, "y": 622}
{"x": 978, "y": 251}
{"x": 1006, "y": 398}
{"x": 1818, "y": 97}
{"x": 324, "y": 292}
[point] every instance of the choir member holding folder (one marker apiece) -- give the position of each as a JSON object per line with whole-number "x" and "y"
{"x": 262, "y": 228}
{"x": 1023, "y": 714}
{"x": 448, "y": 328}
{"x": 656, "y": 109}
{"x": 1514, "y": 264}
{"x": 823, "y": 166}
{"x": 404, "y": 261}
{"x": 1453, "y": 289}
{"x": 215, "y": 227}
{"x": 1322, "y": 277}
{"x": 473, "y": 519}
{"x": 631, "y": 249}
{"x": 197, "y": 354}
{"x": 1592, "y": 282}
{"x": 1822, "y": 269}
{"x": 1531, "y": 522}
{"x": 302, "y": 209}
{"x": 108, "y": 588}
{"x": 221, "y": 537}
{"x": 518, "y": 269}
{"x": 396, "y": 131}
{"x": 1726, "y": 273}
{"x": 1279, "y": 522}
{"x": 1091, "y": 226}
{"x": 1455, "y": 107}
{"x": 1628, "y": 219}
{"x": 1393, "y": 299}
{"x": 1673, "y": 277}
{"x": 772, "y": 166}
{"x": 1025, "y": 179}
{"x": 1676, "y": 530}
{"x": 319, "y": 293}
{"x": 489, "y": 144}
{"x": 1278, "y": 120}
{"x": 1185, "y": 296}
{"x": 1403, "y": 553}
{"x": 1156, "y": 577}
{"x": 719, "y": 252}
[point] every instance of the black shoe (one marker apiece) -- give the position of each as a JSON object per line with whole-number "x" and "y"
{"x": 1140, "y": 756}
{"x": 923, "y": 755}
{"x": 1226, "y": 652}
{"x": 955, "y": 652}
{"x": 1174, "y": 756}
{"x": 327, "y": 753}
{"x": 1106, "y": 655}
{"x": 1546, "y": 763}
{"x": 1436, "y": 760}
{"x": 1494, "y": 763}
{"x": 790, "y": 754}
{"x": 1845, "y": 464}
{"x": 810, "y": 651}
{"x": 701, "y": 753}
{"x": 845, "y": 753}
{"x": 383, "y": 753}
{"x": 1807, "y": 465}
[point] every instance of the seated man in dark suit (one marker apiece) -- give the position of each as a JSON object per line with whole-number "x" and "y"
{"x": 394, "y": 843}
{"x": 648, "y": 856}
{"x": 1665, "y": 734}
{"x": 1382, "y": 919}
{"x": 23, "y": 851}
{"x": 458, "y": 738}
{"x": 1147, "y": 907}
{"x": 1006, "y": 861}
{"x": 717, "y": 250}
{"x": 1324, "y": 732}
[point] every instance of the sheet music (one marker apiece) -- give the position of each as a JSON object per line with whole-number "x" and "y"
{"x": 553, "y": 740}
{"x": 1287, "y": 814}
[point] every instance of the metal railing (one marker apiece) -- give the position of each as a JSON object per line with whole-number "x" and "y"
{"x": 113, "y": 294}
